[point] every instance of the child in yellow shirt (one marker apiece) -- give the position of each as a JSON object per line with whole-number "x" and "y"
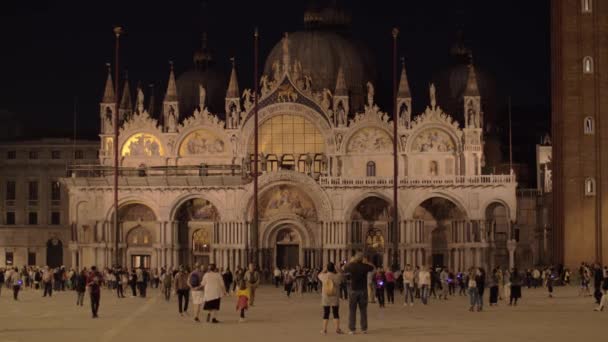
{"x": 242, "y": 301}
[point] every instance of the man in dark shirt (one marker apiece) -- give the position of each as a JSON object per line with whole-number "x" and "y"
{"x": 94, "y": 284}
{"x": 358, "y": 268}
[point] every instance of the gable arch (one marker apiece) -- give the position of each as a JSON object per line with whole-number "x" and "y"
{"x": 178, "y": 202}
{"x": 384, "y": 141}
{"x": 417, "y": 134}
{"x": 139, "y": 199}
{"x": 455, "y": 199}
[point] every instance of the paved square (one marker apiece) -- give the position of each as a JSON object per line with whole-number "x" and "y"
{"x": 277, "y": 318}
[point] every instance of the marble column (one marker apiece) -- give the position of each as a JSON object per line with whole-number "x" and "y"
{"x": 511, "y": 246}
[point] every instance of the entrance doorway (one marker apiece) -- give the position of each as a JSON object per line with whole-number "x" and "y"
{"x": 287, "y": 256}
{"x": 288, "y": 248}
{"x": 438, "y": 260}
{"x": 141, "y": 260}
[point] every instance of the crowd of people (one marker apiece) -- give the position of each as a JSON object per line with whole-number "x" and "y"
{"x": 357, "y": 281}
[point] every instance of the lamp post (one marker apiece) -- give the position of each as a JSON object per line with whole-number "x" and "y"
{"x": 117, "y": 32}
{"x": 395, "y": 229}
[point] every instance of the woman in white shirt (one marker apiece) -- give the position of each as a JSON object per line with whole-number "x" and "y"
{"x": 214, "y": 290}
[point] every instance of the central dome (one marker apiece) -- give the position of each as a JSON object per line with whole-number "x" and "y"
{"x": 321, "y": 53}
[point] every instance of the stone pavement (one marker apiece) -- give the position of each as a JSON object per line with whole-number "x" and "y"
{"x": 277, "y": 318}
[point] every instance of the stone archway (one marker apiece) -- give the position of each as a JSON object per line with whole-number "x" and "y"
{"x": 288, "y": 244}
{"x": 196, "y": 218}
{"x": 139, "y": 228}
{"x": 371, "y": 220}
{"x": 438, "y": 215}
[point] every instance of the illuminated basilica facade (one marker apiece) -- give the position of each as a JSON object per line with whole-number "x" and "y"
{"x": 325, "y": 183}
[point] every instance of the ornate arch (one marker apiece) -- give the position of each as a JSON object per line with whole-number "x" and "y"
{"x": 271, "y": 179}
{"x": 139, "y": 236}
{"x": 360, "y": 197}
{"x": 135, "y": 199}
{"x": 410, "y": 144}
{"x": 269, "y": 235}
{"x": 178, "y": 202}
{"x": 434, "y": 118}
{"x": 499, "y": 201}
{"x": 458, "y": 202}
{"x": 204, "y": 121}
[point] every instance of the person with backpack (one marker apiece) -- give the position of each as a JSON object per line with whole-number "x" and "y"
{"x": 196, "y": 288}
{"x": 252, "y": 277}
{"x": 330, "y": 282}
{"x": 182, "y": 290}
{"x": 242, "y": 301}
{"x": 17, "y": 281}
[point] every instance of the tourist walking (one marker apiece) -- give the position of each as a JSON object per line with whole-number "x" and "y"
{"x": 47, "y": 282}
{"x": 390, "y": 286}
{"x": 215, "y": 289}
{"x": 80, "y": 285}
{"x": 516, "y": 283}
{"x": 242, "y": 300}
{"x": 252, "y": 278}
{"x": 17, "y": 281}
{"x": 94, "y": 285}
{"x": 167, "y": 284}
{"x": 604, "y": 299}
{"x": 380, "y": 283}
{"x": 443, "y": 282}
{"x": 472, "y": 290}
{"x": 288, "y": 280}
{"x": 424, "y": 281}
{"x": 408, "y": 285}
{"x": 371, "y": 285}
{"x": 1, "y": 280}
{"x": 549, "y": 283}
{"x": 182, "y": 290}
{"x": 228, "y": 279}
{"x": 358, "y": 268}
{"x": 480, "y": 279}
{"x": 277, "y": 277}
{"x": 330, "y": 300}
{"x": 196, "y": 289}
{"x": 493, "y": 284}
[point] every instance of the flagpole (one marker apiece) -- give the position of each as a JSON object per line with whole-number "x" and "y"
{"x": 254, "y": 230}
{"x": 117, "y": 32}
{"x": 395, "y": 247}
{"x": 510, "y": 140}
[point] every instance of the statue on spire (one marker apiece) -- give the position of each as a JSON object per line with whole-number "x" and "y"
{"x": 286, "y": 57}
{"x": 370, "y": 94}
{"x": 432, "y": 93}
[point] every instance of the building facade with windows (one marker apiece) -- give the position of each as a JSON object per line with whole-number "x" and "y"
{"x": 580, "y": 155}
{"x": 34, "y": 221}
{"x": 325, "y": 173}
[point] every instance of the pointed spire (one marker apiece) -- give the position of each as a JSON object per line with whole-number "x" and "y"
{"x": 341, "y": 89}
{"x": 472, "y": 88}
{"x": 404, "y": 86}
{"x": 171, "y": 94}
{"x": 233, "y": 85}
{"x": 108, "y": 93}
{"x": 125, "y": 100}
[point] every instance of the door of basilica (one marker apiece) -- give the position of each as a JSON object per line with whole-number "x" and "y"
{"x": 141, "y": 261}
{"x": 287, "y": 248}
{"x": 287, "y": 256}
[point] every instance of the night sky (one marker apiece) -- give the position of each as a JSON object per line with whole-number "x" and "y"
{"x": 55, "y": 52}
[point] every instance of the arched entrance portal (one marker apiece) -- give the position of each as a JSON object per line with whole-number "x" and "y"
{"x": 54, "y": 253}
{"x": 438, "y": 215}
{"x": 288, "y": 248}
{"x": 138, "y": 224}
{"x": 196, "y": 219}
{"x": 372, "y": 218}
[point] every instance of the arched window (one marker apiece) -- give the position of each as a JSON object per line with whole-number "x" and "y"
{"x": 586, "y": 6}
{"x": 287, "y": 162}
{"x": 302, "y": 163}
{"x": 371, "y": 169}
{"x": 588, "y": 65}
{"x": 589, "y": 187}
{"x": 589, "y": 125}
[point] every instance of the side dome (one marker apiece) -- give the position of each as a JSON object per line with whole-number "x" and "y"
{"x": 322, "y": 53}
